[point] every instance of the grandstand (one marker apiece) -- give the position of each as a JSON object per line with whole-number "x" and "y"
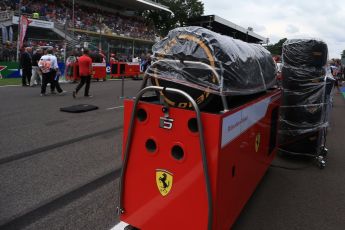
{"x": 102, "y": 25}
{"x": 109, "y": 26}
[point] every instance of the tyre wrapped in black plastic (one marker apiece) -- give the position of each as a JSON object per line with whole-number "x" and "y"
{"x": 308, "y": 52}
{"x": 295, "y": 78}
{"x": 302, "y": 119}
{"x": 303, "y": 109}
{"x": 304, "y": 144}
{"x": 211, "y": 63}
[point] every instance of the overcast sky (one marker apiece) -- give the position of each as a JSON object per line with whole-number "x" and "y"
{"x": 277, "y": 19}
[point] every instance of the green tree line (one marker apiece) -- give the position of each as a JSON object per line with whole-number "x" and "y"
{"x": 276, "y": 49}
{"x": 183, "y": 10}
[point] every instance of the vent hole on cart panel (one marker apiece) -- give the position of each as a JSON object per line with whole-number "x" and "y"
{"x": 233, "y": 171}
{"x": 177, "y": 152}
{"x": 193, "y": 125}
{"x": 142, "y": 115}
{"x": 151, "y": 146}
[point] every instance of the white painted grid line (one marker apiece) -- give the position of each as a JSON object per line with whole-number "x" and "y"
{"x": 119, "y": 226}
{"x": 116, "y": 107}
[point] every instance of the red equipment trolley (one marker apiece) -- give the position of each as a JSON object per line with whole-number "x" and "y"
{"x": 124, "y": 69}
{"x": 99, "y": 71}
{"x": 190, "y": 168}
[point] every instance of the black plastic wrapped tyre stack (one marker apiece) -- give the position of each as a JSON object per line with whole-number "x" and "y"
{"x": 303, "y": 108}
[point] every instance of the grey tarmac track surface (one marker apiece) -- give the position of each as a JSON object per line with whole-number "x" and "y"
{"x": 60, "y": 170}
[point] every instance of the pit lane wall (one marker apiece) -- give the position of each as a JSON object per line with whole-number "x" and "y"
{"x": 9, "y": 69}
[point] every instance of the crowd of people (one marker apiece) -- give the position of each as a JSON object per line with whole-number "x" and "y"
{"x": 7, "y": 5}
{"x": 8, "y": 51}
{"x": 40, "y": 67}
{"x": 115, "y": 24}
{"x": 337, "y": 71}
{"x": 85, "y": 18}
{"x": 89, "y": 18}
{"x": 57, "y": 46}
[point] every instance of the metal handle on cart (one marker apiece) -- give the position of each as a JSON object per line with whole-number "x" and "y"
{"x": 121, "y": 209}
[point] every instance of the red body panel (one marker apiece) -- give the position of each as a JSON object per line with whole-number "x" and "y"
{"x": 235, "y": 168}
{"x": 126, "y": 69}
{"x": 132, "y": 69}
{"x": 99, "y": 70}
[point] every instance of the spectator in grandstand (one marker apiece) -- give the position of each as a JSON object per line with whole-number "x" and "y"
{"x": 11, "y": 5}
{"x": 50, "y": 72}
{"x": 91, "y": 19}
{"x": 85, "y": 71}
{"x": 36, "y": 72}
{"x": 35, "y": 15}
{"x": 26, "y": 66}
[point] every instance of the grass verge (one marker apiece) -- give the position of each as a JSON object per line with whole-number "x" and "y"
{"x": 10, "y": 81}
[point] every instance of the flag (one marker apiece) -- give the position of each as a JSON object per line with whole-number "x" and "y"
{"x": 10, "y": 34}
{"x": 24, "y": 23}
{"x": 4, "y": 34}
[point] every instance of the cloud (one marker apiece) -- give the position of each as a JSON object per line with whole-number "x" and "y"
{"x": 291, "y": 29}
{"x": 287, "y": 19}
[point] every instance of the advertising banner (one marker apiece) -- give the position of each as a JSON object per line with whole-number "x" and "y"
{"x": 36, "y": 23}
{"x": 24, "y": 23}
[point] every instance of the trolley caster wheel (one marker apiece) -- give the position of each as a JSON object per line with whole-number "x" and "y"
{"x": 322, "y": 164}
{"x": 321, "y": 161}
{"x": 324, "y": 151}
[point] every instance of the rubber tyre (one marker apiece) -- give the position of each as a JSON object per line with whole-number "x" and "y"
{"x": 305, "y": 52}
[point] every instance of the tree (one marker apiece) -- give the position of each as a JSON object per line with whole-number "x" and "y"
{"x": 276, "y": 49}
{"x": 183, "y": 11}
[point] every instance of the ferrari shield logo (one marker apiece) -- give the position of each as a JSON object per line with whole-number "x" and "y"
{"x": 164, "y": 181}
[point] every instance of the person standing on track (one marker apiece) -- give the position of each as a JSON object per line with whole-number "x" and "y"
{"x": 26, "y": 65}
{"x": 85, "y": 71}
{"x": 36, "y": 72}
{"x": 49, "y": 67}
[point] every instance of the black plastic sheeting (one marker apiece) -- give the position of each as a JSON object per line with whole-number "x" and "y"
{"x": 308, "y": 52}
{"x": 202, "y": 59}
{"x": 307, "y": 85}
{"x": 299, "y": 78}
